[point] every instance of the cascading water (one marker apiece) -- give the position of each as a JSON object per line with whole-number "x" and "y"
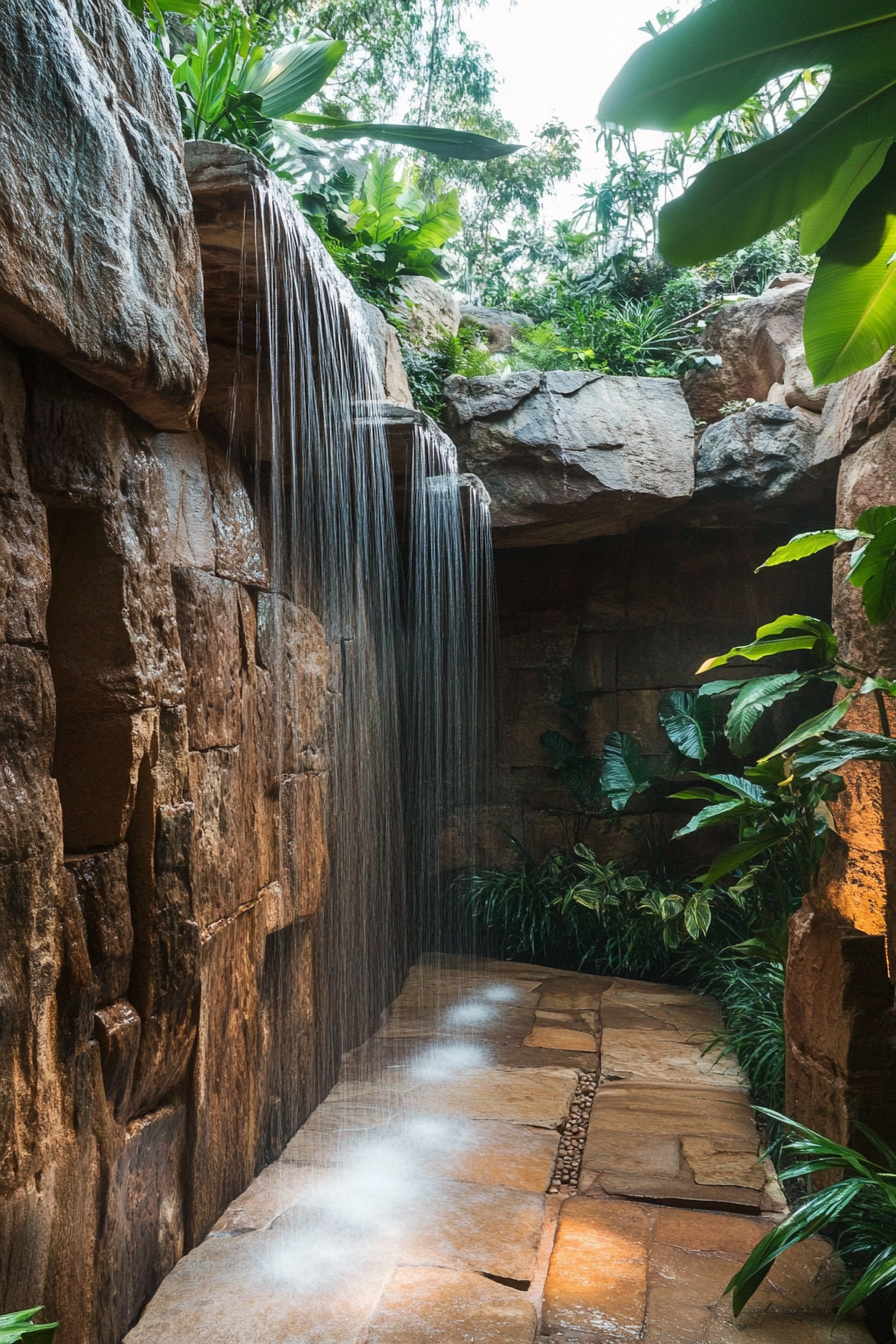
{"x": 406, "y": 608}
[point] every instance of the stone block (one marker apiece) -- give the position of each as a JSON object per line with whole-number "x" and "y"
{"x": 578, "y": 455}
{"x": 223, "y": 867}
{"x": 499, "y": 327}
{"x": 858, "y": 408}
{"x": 239, "y": 553}
{"x": 115, "y": 294}
{"x": 449, "y": 1307}
{"x": 523, "y": 1096}
{"x": 101, "y": 883}
{"x": 226, "y": 1073}
{"x": 841, "y": 1045}
{"x": 763, "y": 461}
{"x": 751, "y": 339}
{"x": 30, "y": 821}
{"x": 656, "y": 1057}
{"x": 97, "y": 765}
{"x": 304, "y": 857}
{"x": 208, "y": 623}
{"x": 188, "y": 497}
{"x": 117, "y": 1029}
{"x": 386, "y": 352}
{"x": 559, "y": 1038}
{"x": 24, "y": 570}
{"x": 292, "y": 647}
{"x": 293, "y": 1047}
{"x": 430, "y": 311}
{"x": 597, "y": 1279}
{"x": 142, "y": 1234}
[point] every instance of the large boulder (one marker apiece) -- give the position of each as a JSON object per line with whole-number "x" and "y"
{"x": 750, "y": 340}
{"x": 566, "y": 455}
{"x": 99, "y": 258}
{"x": 386, "y": 349}
{"x": 429, "y": 311}
{"x": 763, "y": 461}
{"x": 498, "y": 326}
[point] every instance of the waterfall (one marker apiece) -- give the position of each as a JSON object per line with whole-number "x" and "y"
{"x": 405, "y": 603}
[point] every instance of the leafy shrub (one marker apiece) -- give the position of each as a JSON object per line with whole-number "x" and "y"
{"x": 427, "y": 369}
{"x": 858, "y": 1211}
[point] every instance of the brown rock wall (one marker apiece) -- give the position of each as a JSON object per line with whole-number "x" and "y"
{"x": 163, "y": 770}
{"x": 627, "y": 618}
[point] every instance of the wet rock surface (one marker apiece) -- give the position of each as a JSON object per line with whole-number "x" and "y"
{"x": 99, "y": 257}
{"x": 398, "y": 1213}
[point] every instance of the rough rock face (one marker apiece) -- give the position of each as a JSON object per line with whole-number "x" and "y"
{"x": 161, "y": 866}
{"x": 751, "y": 338}
{"x": 841, "y": 1063}
{"x": 432, "y": 311}
{"x": 99, "y": 259}
{"x": 566, "y": 456}
{"x": 387, "y": 356}
{"x": 762, "y": 461}
{"x": 498, "y": 325}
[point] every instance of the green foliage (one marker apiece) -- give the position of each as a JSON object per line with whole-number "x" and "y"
{"x": 833, "y": 163}
{"x": 233, "y": 86}
{"x": 630, "y": 337}
{"x": 858, "y": 1211}
{"x": 21, "y": 1325}
{"x": 872, "y": 566}
{"x": 427, "y": 369}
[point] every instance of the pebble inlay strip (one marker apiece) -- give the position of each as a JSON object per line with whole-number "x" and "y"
{"x": 565, "y": 1180}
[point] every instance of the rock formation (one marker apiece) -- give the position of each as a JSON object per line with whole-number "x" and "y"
{"x": 565, "y": 456}
{"x": 497, "y": 325}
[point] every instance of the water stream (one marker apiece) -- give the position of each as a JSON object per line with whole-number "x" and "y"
{"x": 405, "y": 602}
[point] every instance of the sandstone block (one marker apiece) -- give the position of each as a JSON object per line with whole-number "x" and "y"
{"x": 226, "y": 1068}
{"x": 304, "y": 857}
{"x": 566, "y": 456}
{"x": 101, "y": 882}
{"x": 223, "y": 867}
{"x": 117, "y": 1029}
{"x": 523, "y": 1096}
{"x": 239, "y": 553}
{"x": 449, "y": 1307}
{"x": 799, "y": 387}
{"x": 208, "y": 623}
{"x": 191, "y": 532}
{"x": 116, "y": 293}
{"x": 597, "y": 1280}
{"x": 750, "y": 338}
{"x": 30, "y": 823}
{"x": 858, "y": 408}
{"x": 386, "y": 352}
{"x": 430, "y": 311}
{"x": 142, "y": 1233}
{"x": 292, "y": 647}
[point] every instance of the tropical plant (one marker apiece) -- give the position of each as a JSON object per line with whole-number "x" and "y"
{"x": 427, "y": 368}
{"x": 833, "y": 165}
{"x": 21, "y": 1325}
{"x": 634, "y": 337}
{"x": 232, "y": 86}
{"x": 858, "y": 1210}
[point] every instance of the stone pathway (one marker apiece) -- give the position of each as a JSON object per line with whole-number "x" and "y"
{"x": 411, "y": 1208}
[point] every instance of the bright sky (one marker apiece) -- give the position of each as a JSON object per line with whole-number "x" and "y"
{"x": 556, "y": 58}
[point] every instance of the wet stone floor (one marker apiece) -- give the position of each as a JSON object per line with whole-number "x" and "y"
{"x": 518, "y": 1154}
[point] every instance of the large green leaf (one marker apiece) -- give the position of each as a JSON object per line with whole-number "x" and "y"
{"x": 812, "y": 634}
{"x": 288, "y": 76}
{"x": 808, "y": 543}
{"x": 743, "y": 851}
{"x": 814, "y": 727}
{"x": 439, "y": 141}
{"x": 880, "y": 1275}
{"x": 625, "y": 771}
{"x": 752, "y": 702}
{"x": 20, "y": 1325}
{"x": 851, "y": 308}
{"x": 816, "y": 1215}
{"x": 874, "y": 571}
{"x": 712, "y": 61}
{"x": 690, "y": 723}
{"x": 439, "y": 220}
{"x": 714, "y": 815}
{"x": 872, "y": 520}
{"x": 715, "y": 58}
{"x": 835, "y": 749}
{"x": 822, "y": 219}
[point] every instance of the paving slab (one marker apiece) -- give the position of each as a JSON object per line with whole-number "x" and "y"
{"x": 410, "y": 1208}
{"x": 443, "y": 1306}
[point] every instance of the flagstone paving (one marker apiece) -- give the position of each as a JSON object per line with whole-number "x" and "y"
{"x": 412, "y": 1207}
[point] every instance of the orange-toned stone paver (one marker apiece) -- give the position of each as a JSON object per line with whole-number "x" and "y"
{"x": 411, "y": 1208}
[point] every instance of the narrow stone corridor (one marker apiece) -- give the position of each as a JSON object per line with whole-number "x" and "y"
{"x": 416, "y": 1204}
